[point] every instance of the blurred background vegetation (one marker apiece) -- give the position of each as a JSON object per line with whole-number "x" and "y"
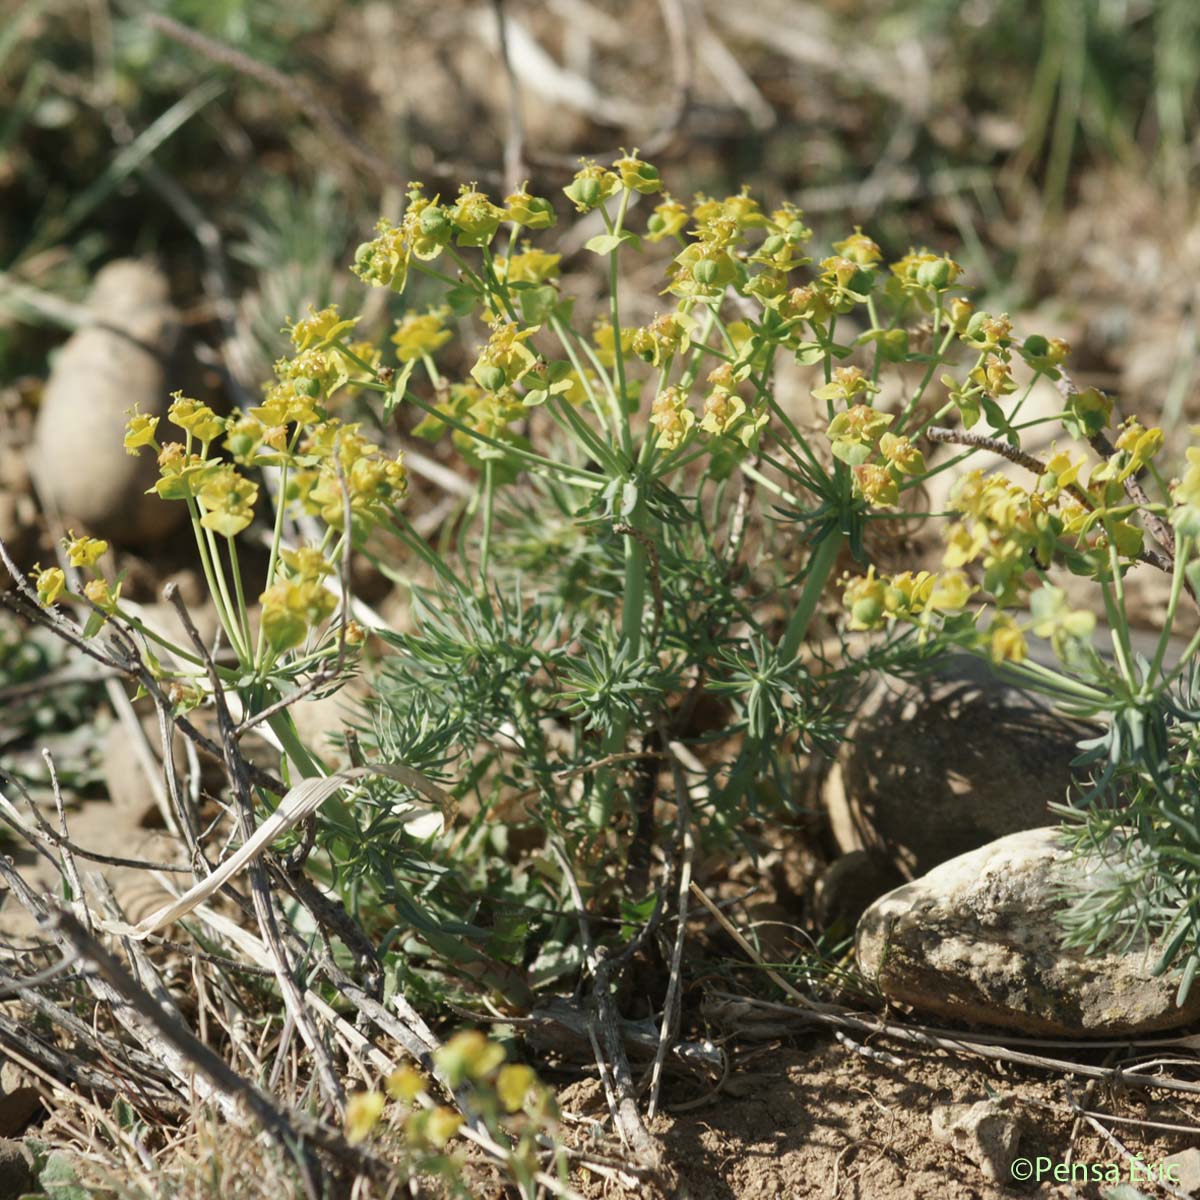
{"x": 1051, "y": 148}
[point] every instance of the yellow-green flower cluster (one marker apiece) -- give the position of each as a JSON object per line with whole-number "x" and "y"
{"x": 671, "y": 417}
{"x": 665, "y": 337}
{"x": 855, "y": 432}
{"x": 226, "y": 499}
{"x": 874, "y": 601}
{"x": 420, "y": 335}
{"x": 506, "y": 359}
{"x": 605, "y": 341}
{"x": 1185, "y": 495}
{"x": 374, "y": 483}
{"x": 319, "y": 329}
{"x": 920, "y": 271}
{"x": 1135, "y": 448}
{"x": 427, "y": 228}
{"x": 591, "y": 186}
{"x": 530, "y": 266}
{"x": 84, "y": 551}
{"x": 50, "y": 583}
{"x": 859, "y": 434}
{"x": 293, "y": 606}
{"x": 1002, "y": 526}
{"x": 531, "y": 212}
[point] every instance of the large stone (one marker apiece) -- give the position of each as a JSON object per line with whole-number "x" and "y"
{"x": 82, "y": 471}
{"x": 977, "y": 940}
{"x": 934, "y": 768}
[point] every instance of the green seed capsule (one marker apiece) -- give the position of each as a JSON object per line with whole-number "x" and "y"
{"x": 934, "y": 274}
{"x": 867, "y": 611}
{"x": 491, "y": 378}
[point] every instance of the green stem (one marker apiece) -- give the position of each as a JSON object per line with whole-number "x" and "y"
{"x": 1043, "y": 677}
{"x": 215, "y": 591}
{"x": 1117, "y": 615}
{"x": 485, "y": 545}
{"x": 243, "y": 612}
{"x": 593, "y": 444}
{"x": 403, "y": 529}
{"x": 1182, "y": 552}
{"x": 565, "y": 336}
{"x": 145, "y": 630}
{"x": 585, "y": 478}
{"x": 615, "y": 317}
{"x": 820, "y": 566}
{"x": 633, "y": 602}
{"x": 933, "y": 366}
{"x": 308, "y": 763}
{"x": 273, "y": 558}
{"x": 233, "y": 626}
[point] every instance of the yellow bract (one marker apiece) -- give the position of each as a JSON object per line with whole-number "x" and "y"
{"x": 406, "y": 1084}
{"x": 859, "y": 248}
{"x": 318, "y": 329}
{"x": 418, "y": 335}
{"x": 198, "y": 419}
{"x": 99, "y": 593}
{"x": 876, "y": 485}
{"x": 669, "y": 219}
{"x": 84, "y": 551}
{"x": 1006, "y": 642}
{"x": 846, "y": 383}
{"x": 363, "y": 1111}
{"x": 722, "y": 410}
{"x": 469, "y": 1055}
{"x": 50, "y": 583}
{"x": 475, "y": 217}
{"x": 139, "y": 432}
{"x": 671, "y": 416}
{"x": 513, "y": 1084}
{"x": 227, "y": 500}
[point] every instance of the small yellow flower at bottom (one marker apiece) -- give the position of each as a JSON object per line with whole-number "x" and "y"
{"x": 513, "y": 1084}
{"x": 84, "y": 551}
{"x": 406, "y": 1084}
{"x": 50, "y": 583}
{"x": 363, "y": 1111}
{"x": 97, "y": 591}
{"x": 1006, "y": 641}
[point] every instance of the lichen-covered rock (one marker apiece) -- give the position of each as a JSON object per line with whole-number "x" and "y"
{"x": 82, "y": 471}
{"x": 934, "y": 768}
{"x": 977, "y": 940}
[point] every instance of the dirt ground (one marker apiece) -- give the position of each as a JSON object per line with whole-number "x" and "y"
{"x": 821, "y": 1120}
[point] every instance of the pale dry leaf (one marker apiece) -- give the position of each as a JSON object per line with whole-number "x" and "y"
{"x": 300, "y": 802}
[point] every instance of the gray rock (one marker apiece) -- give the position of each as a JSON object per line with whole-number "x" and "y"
{"x": 986, "y": 1132}
{"x": 934, "y": 768}
{"x": 977, "y": 940}
{"x": 79, "y": 464}
{"x": 1183, "y": 1170}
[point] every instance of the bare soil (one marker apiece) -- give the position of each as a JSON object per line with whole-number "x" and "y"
{"x": 821, "y": 1120}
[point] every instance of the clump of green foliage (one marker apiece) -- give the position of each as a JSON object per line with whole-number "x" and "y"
{"x": 604, "y": 608}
